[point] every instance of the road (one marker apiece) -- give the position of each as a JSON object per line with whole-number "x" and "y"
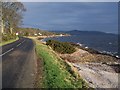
{"x": 18, "y": 64}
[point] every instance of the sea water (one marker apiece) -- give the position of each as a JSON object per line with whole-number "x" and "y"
{"x": 106, "y": 43}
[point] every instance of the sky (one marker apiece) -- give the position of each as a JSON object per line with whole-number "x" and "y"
{"x": 67, "y": 0}
{"x": 84, "y": 16}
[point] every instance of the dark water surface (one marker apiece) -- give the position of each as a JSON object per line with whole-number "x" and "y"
{"x": 103, "y": 42}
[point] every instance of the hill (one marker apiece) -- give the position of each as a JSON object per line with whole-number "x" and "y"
{"x": 33, "y": 32}
{"x": 78, "y": 32}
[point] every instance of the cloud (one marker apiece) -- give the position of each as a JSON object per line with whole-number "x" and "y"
{"x": 68, "y": 16}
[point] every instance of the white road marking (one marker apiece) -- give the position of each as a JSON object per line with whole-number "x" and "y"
{"x": 23, "y": 41}
{"x": 7, "y": 52}
{"x": 19, "y": 44}
{"x": 11, "y": 49}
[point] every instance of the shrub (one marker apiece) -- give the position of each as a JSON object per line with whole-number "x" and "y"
{"x": 7, "y": 37}
{"x": 61, "y": 47}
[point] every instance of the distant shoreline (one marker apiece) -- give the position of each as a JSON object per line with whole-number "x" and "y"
{"x": 41, "y": 38}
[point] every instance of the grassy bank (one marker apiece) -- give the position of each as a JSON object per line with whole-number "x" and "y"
{"x": 57, "y": 73}
{"x": 7, "y": 42}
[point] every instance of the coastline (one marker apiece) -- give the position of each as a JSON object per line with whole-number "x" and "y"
{"x": 95, "y": 73}
{"x": 41, "y": 38}
{"x": 86, "y": 48}
{"x": 58, "y": 72}
{"x": 98, "y": 52}
{"x": 61, "y": 35}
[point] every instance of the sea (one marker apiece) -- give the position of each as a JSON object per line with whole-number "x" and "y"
{"x": 103, "y": 42}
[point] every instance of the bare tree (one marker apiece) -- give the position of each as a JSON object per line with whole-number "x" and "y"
{"x": 11, "y": 15}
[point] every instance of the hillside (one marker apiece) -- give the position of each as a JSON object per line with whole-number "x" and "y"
{"x": 81, "y": 32}
{"x": 33, "y": 32}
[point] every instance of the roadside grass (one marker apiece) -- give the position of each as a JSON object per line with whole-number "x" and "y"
{"x": 7, "y": 42}
{"x": 40, "y": 73}
{"x": 57, "y": 73}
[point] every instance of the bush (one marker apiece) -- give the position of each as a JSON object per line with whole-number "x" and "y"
{"x": 7, "y": 37}
{"x": 61, "y": 47}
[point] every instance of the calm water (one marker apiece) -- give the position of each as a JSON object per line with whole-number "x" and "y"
{"x": 105, "y": 43}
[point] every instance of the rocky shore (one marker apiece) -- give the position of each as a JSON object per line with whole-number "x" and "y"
{"x": 98, "y": 70}
{"x": 98, "y": 75}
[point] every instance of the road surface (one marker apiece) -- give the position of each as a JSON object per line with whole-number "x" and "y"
{"x": 18, "y": 64}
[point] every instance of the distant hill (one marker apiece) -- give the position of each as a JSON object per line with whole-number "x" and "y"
{"x": 33, "y": 31}
{"x": 77, "y": 32}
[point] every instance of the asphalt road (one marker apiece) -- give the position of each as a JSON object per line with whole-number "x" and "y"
{"x": 18, "y": 64}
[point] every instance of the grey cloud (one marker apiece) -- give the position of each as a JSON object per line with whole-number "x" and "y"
{"x": 69, "y": 16}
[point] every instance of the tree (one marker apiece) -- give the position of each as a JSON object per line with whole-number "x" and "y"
{"x": 11, "y": 15}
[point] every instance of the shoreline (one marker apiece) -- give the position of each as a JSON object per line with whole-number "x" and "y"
{"x": 98, "y": 75}
{"x": 41, "y": 38}
{"x": 54, "y": 66}
{"x": 86, "y": 48}
{"x": 99, "y": 52}
{"x": 94, "y": 73}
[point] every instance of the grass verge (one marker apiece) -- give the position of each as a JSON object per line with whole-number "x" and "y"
{"x": 57, "y": 73}
{"x": 7, "y": 42}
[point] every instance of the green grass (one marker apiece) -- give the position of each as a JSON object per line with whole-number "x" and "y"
{"x": 57, "y": 74}
{"x": 7, "y": 42}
